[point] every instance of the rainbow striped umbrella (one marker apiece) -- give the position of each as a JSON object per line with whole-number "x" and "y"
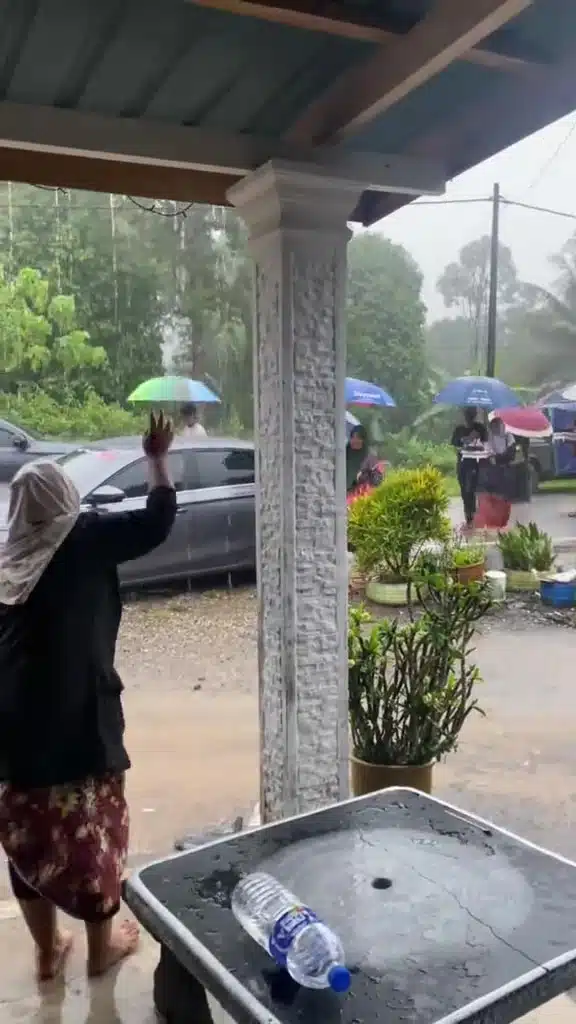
{"x": 169, "y": 390}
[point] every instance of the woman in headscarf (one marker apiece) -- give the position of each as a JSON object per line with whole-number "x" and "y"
{"x": 495, "y": 483}
{"x": 63, "y": 814}
{"x": 363, "y": 470}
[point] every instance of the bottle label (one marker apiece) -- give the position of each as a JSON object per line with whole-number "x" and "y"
{"x": 286, "y": 929}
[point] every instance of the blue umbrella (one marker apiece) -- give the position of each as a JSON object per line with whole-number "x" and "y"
{"x": 484, "y": 392}
{"x": 556, "y": 400}
{"x": 360, "y": 392}
{"x": 569, "y": 393}
{"x": 351, "y": 422}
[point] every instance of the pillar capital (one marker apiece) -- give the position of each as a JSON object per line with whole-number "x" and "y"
{"x": 293, "y": 196}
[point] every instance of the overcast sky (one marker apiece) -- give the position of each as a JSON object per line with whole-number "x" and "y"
{"x": 539, "y": 170}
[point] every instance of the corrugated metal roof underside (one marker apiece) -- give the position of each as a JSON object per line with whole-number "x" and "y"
{"x": 165, "y": 59}
{"x": 173, "y": 61}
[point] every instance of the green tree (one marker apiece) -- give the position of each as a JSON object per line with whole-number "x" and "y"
{"x": 209, "y": 306}
{"x": 449, "y": 345}
{"x": 385, "y": 323}
{"x": 543, "y": 327}
{"x": 464, "y": 286}
{"x": 39, "y": 340}
{"x": 102, "y": 251}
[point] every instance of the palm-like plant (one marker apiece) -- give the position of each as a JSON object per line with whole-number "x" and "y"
{"x": 551, "y": 320}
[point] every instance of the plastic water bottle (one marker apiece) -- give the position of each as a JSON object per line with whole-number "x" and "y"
{"x": 290, "y": 932}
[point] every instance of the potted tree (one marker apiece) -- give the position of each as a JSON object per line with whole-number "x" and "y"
{"x": 388, "y": 528}
{"x": 412, "y": 686}
{"x": 526, "y": 552}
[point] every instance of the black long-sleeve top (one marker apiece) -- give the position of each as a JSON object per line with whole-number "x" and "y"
{"x": 61, "y": 716}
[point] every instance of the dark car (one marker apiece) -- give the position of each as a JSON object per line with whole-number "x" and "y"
{"x": 215, "y": 523}
{"x": 18, "y": 446}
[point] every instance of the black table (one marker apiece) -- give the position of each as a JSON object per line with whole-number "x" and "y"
{"x": 444, "y": 917}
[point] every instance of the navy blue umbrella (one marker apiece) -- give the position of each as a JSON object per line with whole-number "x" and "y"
{"x": 361, "y": 392}
{"x": 483, "y": 392}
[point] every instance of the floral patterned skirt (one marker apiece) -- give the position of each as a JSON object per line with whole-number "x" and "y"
{"x": 68, "y": 844}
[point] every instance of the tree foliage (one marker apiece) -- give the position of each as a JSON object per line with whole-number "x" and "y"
{"x": 385, "y": 322}
{"x": 464, "y": 286}
{"x": 39, "y": 339}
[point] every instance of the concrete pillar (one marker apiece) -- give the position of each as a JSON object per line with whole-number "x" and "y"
{"x": 297, "y": 222}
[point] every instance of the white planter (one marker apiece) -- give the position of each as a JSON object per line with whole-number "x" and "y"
{"x": 392, "y": 594}
{"x": 522, "y": 580}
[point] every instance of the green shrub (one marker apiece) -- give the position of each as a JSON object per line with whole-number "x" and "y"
{"x": 387, "y": 528}
{"x": 411, "y": 686}
{"x": 412, "y": 453}
{"x": 525, "y": 548}
{"x": 82, "y": 419}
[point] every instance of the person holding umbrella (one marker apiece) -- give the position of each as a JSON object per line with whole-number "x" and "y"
{"x": 469, "y": 434}
{"x": 495, "y": 479}
{"x": 363, "y": 470}
{"x": 191, "y": 426}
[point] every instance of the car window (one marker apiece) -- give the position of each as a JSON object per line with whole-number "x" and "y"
{"x": 6, "y": 438}
{"x": 133, "y": 479}
{"x": 222, "y": 467}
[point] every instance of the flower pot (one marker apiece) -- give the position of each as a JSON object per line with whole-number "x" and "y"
{"x": 469, "y": 573}
{"x": 395, "y": 594}
{"x": 522, "y": 579}
{"x": 371, "y": 778}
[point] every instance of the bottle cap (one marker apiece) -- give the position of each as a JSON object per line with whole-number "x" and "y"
{"x": 339, "y": 979}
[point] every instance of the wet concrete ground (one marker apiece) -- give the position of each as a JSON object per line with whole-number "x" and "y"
{"x": 549, "y": 510}
{"x": 195, "y": 763}
{"x": 189, "y": 664}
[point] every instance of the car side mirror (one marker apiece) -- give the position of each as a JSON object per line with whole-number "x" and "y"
{"x": 105, "y": 495}
{"x": 20, "y": 442}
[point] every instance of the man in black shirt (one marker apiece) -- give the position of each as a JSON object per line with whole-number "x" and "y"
{"x": 468, "y": 433}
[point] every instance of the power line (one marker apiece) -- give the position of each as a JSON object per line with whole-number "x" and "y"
{"x": 539, "y": 209}
{"x": 184, "y": 210}
{"x": 450, "y": 202}
{"x": 548, "y": 163}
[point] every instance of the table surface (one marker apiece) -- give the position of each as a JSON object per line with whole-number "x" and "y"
{"x": 444, "y": 917}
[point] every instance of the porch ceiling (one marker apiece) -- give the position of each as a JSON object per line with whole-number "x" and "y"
{"x": 203, "y": 90}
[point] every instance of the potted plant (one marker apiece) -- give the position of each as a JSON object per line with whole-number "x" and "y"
{"x": 468, "y": 562}
{"x": 526, "y": 551}
{"x": 388, "y": 528}
{"x": 412, "y": 687}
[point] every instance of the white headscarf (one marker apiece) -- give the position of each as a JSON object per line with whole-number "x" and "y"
{"x": 44, "y": 506}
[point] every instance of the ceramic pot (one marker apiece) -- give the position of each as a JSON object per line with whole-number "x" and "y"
{"x": 371, "y": 778}
{"x": 521, "y": 579}
{"x": 468, "y": 573}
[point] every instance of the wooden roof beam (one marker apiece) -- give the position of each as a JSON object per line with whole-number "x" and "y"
{"x": 400, "y": 66}
{"x": 93, "y": 174}
{"x": 148, "y": 143}
{"x": 336, "y": 21}
{"x": 485, "y": 128}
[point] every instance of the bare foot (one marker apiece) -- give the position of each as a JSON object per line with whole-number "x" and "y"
{"x": 123, "y": 942}
{"x": 49, "y": 965}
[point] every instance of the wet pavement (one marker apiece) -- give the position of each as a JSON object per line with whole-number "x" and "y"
{"x": 549, "y": 510}
{"x": 189, "y": 664}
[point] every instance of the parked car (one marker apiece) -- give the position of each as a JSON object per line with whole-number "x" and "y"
{"x": 18, "y": 446}
{"x": 215, "y": 527}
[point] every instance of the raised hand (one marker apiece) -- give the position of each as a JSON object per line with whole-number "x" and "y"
{"x": 158, "y": 437}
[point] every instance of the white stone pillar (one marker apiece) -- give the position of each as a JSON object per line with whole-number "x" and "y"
{"x": 297, "y": 222}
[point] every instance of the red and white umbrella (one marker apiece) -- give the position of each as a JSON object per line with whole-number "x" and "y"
{"x": 524, "y": 421}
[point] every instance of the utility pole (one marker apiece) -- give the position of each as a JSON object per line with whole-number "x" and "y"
{"x": 493, "y": 293}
